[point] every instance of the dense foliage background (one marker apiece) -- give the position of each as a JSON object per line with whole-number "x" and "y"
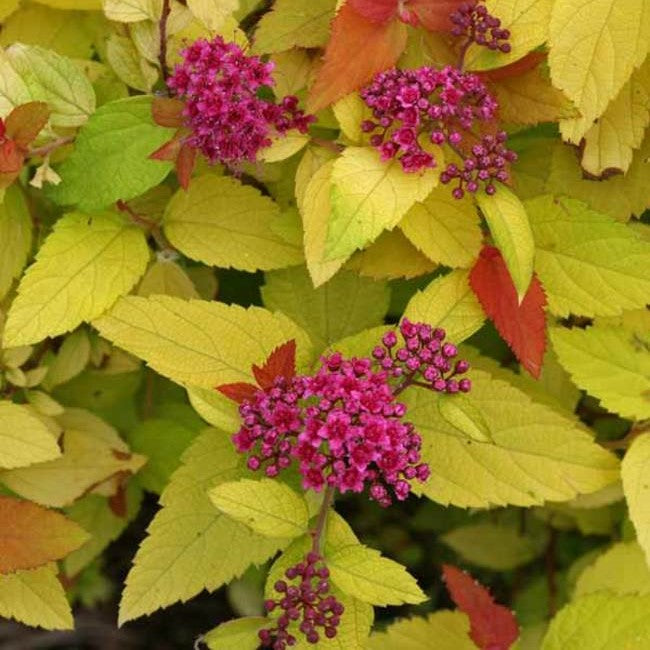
{"x": 168, "y": 240}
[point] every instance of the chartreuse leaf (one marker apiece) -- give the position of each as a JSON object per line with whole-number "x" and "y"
{"x": 601, "y": 621}
{"x": 71, "y": 359}
{"x": 369, "y": 196}
{"x": 267, "y": 507}
{"x": 238, "y": 634}
{"x": 7, "y": 7}
{"x": 594, "y": 47}
{"x": 110, "y": 160}
{"x": 449, "y": 629}
{"x": 131, "y": 11}
{"x": 610, "y": 142}
{"x": 534, "y": 454}
{"x": 37, "y": 598}
{"x": 345, "y": 305}
{"x": 190, "y": 545}
{"x": 500, "y": 548}
{"x": 31, "y": 536}
{"x": 588, "y": 263}
{"x": 293, "y": 23}
{"x": 506, "y": 216}
{"x": 445, "y": 229}
{"x": 635, "y": 469}
{"x": 448, "y": 302}
{"x": 212, "y": 13}
{"x": 606, "y": 362}
{"x": 85, "y": 264}
{"x": 165, "y": 277}
{"x": 15, "y": 236}
{"x": 221, "y": 222}
{"x": 128, "y": 64}
{"x": 56, "y": 80}
{"x": 199, "y": 342}
{"x": 622, "y": 569}
{"x": 73, "y": 4}
{"x": 25, "y": 438}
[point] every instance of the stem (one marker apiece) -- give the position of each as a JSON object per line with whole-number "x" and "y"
{"x": 624, "y": 443}
{"x": 316, "y": 534}
{"x": 463, "y": 52}
{"x": 151, "y": 226}
{"x": 162, "y": 27}
{"x": 328, "y": 144}
{"x": 51, "y": 146}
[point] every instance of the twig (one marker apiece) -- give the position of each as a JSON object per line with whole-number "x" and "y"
{"x": 148, "y": 224}
{"x": 317, "y": 533}
{"x": 162, "y": 28}
{"x": 51, "y": 146}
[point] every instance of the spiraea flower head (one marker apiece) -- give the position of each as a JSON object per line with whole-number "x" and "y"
{"x": 220, "y": 85}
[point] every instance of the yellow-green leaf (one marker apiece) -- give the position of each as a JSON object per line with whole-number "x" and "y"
{"x": 212, "y": 13}
{"x": 36, "y": 597}
{"x": 15, "y": 236}
{"x": 25, "y": 438}
{"x": 445, "y": 229}
{"x": 85, "y": 264}
{"x": 239, "y": 634}
{"x": 221, "y": 222}
{"x": 594, "y": 47}
{"x": 199, "y": 342}
{"x": 73, "y": 356}
{"x": 72, "y": 4}
{"x": 635, "y": 471}
{"x": 7, "y": 7}
{"x": 131, "y": 11}
{"x": 535, "y": 454}
{"x": 134, "y": 70}
{"x": 450, "y": 303}
{"x": 267, "y": 507}
{"x": 369, "y": 196}
{"x": 609, "y": 364}
{"x": 506, "y": 216}
{"x": 165, "y": 277}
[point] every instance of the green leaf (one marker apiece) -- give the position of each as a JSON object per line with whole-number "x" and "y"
{"x": 240, "y": 634}
{"x": 601, "y": 622}
{"x": 588, "y": 263}
{"x": 221, "y": 222}
{"x": 363, "y": 573}
{"x": 535, "y": 454}
{"x": 36, "y": 598}
{"x": 449, "y": 629}
{"x": 85, "y": 264}
{"x": 163, "y": 442}
{"x": 267, "y": 507}
{"x": 445, "y": 229}
{"x": 506, "y": 216}
{"x": 111, "y": 156}
{"x": 609, "y": 364}
{"x": 293, "y": 23}
{"x": 500, "y": 548}
{"x": 450, "y": 303}
{"x": 635, "y": 469}
{"x": 56, "y": 80}
{"x": 71, "y": 359}
{"x": 199, "y": 342}
{"x": 345, "y": 305}
{"x": 190, "y": 545}
{"x": 15, "y": 236}
{"x": 622, "y": 569}
{"x": 25, "y": 438}
{"x": 369, "y": 196}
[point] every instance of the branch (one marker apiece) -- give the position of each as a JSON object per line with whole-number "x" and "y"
{"x": 51, "y": 146}
{"x": 162, "y": 27}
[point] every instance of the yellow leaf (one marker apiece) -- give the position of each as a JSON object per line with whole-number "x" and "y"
{"x": 369, "y": 196}
{"x": 131, "y": 11}
{"x": 24, "y": 437}
{"x": 212, "y": 13}
{"x": 7, "y": 7}
{"x": 36, "y": 597}
{"x": 165, "y": 277}
{"x": 72, "y": 4}
{"x": 527, "y": 21}
{"x": 85, "y": 264}
{"x": 635, "y": 470}
{"x": 594, "y": 47}
{"x": 13, "y": 89}
{"x": 238, "y": 634}
{"x": 73, "y": 356}
{"x": 291, "y": 72}
{"x": 15, "y": 236}
{"x": 450, "y": 303}
{"x": 199, "y": 342}
{"x": 128, "y": 65}
{"x": 350, "y": 112}
{"x": 445, "y": 229}
{"x": 610, "y": 142}
{"x": 283, "y": 147}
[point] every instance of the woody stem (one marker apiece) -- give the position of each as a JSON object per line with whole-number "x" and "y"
{"x": 162, "y": 28}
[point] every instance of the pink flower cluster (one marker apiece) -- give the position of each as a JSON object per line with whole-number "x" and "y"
{"x": 220, "y": 85}
{"x": 473, "y": 20}
{"x": 307, "y": 602}
{"x": 343, "y": 425}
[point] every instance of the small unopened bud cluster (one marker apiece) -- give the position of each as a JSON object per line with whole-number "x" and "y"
{"x": 488, "y": 162}
{"x": 473, "y": 20}
{"x": 307, "y": 603}
{"x": 229, "y": 122}
{"x": 423, "y": 358}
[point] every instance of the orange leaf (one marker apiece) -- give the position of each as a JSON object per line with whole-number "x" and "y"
{"x": 168, "y": 151}
{"x": 376, "y": 11}
{"x": 11, "y": 157}
{"x": 526, "y": 63}
{"x": 358, "y": 49}
{"x": 434, "y": 14}
{"x": 25, "y": 122}
{"x": 238, "y": 392}
{"x": 167, "y": 111}
{"x": 31, "y": 535}
{"x": 185, "y": 165}
{"x": 281, "y": 363}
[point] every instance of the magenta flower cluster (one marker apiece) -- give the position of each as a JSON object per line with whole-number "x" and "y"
{"x": 343, "y": 424}
{"x": 308, "y": 601}
{"x": 473, "y": 20}
{"x": 229, "y": 122}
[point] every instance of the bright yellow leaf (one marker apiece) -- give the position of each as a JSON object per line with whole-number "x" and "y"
{"x": 635, "y": 470}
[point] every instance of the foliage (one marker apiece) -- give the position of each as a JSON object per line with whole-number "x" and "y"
{"x": 357, "y": 291}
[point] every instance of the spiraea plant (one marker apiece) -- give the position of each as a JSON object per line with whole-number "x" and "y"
{"x": 332, "y": 316}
